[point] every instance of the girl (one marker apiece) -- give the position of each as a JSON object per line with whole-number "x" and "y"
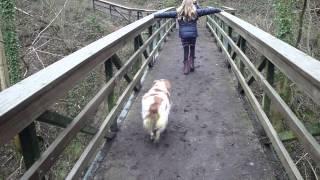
{"x": 188, "y": 15}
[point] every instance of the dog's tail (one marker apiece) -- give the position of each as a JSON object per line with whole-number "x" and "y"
{"x": 154, "y": 116}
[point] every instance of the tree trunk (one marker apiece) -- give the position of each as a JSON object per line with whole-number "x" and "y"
{"x": 4, "y": 76}
{"x": 301, "y": 22}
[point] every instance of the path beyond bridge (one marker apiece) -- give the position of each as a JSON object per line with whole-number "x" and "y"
{"x": 209, "y": 135}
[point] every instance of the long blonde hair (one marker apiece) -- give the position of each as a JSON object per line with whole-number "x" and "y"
{"x": 187, "y": 11}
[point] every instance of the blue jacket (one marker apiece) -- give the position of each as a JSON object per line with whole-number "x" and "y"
{"x": 188, "y": 29}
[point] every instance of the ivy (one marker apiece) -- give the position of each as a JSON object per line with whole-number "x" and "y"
{"x": 7, "y": 14}
{"x": 284, "y": 20}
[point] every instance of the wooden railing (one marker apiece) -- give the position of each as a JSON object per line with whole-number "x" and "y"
{"x": 26, "y": 101}
{"x": 128, "y": 13}
{"x": 232, "y": 35}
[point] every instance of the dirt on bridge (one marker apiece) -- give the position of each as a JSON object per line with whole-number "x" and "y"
{"x": 209, "y": 136}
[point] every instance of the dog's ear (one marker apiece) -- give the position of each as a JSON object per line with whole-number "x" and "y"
{"x": 167, "y": 83}
{"x": 155, "y": 81}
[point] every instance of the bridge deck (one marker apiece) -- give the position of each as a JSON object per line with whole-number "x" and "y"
{"x": 210, "y": 135}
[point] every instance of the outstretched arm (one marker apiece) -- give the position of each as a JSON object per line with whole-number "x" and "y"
{"x": 169, "y": 14}
{"x": 207, "y": 11}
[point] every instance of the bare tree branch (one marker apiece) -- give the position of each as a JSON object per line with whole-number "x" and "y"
{"x": 57, "y": 15}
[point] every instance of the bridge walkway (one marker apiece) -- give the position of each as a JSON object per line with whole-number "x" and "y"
{"x": 209, "y": 136}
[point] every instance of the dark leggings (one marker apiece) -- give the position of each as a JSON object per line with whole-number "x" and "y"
{"x": 189, "y": 46}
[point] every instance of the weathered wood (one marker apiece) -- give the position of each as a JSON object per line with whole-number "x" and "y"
{"x": 28, "y": 99}
{"x": 51, "y": 154}
{"x": 118, "y": 64}
{"x": 47, "y": 159}
{"x": 29, "y": 145}
{"x": 260, "y": 67}
{"x": 229, "y": 10}
{"x": 111, "y": 97}
{"x": 281, "y": 151}
{"x": 59, "y": 120}
{"x": 295, "y": 124}
{"x": 92, "y": 149}
{"x": 266, "y": 101}
{"x": 125, "y": 7}
{"x": 304, "y": 73}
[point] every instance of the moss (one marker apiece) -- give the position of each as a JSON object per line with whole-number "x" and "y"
{"x": 7, "y": 14}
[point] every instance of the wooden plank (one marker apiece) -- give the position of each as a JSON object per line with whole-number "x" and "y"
{"x": 59, "y": 120}
{"x": 51, "y": 154}
{"x": 295, "y": 124}
{"x": 29, "y": 145}
{"x": 266, "y": 101}
{"x": 118, "y": 64}
{"x": 47, "y": 159}
{"x": 125, "y": 7}
{"x": 92, "y": 149}
{"x": 296, "y": 65}
{"x": 28, "y": 99}
{"x": 111, "y": 97}
{"x": 260, "y": 67}
{"x": 281, "y": 151}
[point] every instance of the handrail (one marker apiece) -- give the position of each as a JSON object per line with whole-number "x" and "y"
{"x": 296, "y": 65}
{"x": 128, "y": 13}
{"x": 25, "y": 101}
{"x": 126, "y": 7}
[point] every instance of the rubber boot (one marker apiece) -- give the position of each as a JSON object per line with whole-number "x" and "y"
{"x": 186, "y": 67}
{"x": 192, "y": 57}
{"x": 192, "y": 64}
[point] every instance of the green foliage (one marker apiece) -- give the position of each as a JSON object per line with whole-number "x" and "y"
{"x": 284, "y": 20}
{"x": 94, "y": 24}
{"x": 7, "y": 14}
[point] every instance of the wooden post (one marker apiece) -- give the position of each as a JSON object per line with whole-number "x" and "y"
{"x": 93, "y": 6}
{"x": 26, "y": 142}
{"x": 138, "y": 63}
{"x": 270, "y": 78}
{"x": 241, "y": 65}
{"x": 150, "y": 32}
{"x": 111, "y": 97}
{"x": 138, "y": 15}
{"x": 29, "y": 145}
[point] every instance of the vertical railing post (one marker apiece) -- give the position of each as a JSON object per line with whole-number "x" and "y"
{"x": 241, "y": 64}
{"x": 150, "y": 33}
{"x": 270, "y": 78}
{"x": 111, "y": 97}
{"x": 29, "y": 145}
{"x": 137, "y": 65}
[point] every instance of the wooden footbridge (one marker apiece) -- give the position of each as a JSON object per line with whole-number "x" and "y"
{"x": 210, "y": 133}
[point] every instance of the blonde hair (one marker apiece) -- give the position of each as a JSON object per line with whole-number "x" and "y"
{"x": 187, "y": 11}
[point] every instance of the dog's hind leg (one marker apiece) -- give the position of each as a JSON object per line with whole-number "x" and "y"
{"x": 157, "y": 135}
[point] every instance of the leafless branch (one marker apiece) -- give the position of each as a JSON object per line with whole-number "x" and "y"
{"x": 38, "y": 57}
{"x": 57, "y": 15}
{"x": 45, "y": 52}
{"x": 22, "y": 11}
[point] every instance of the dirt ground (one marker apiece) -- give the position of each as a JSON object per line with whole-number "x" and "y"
{"x": 209, "y": 136}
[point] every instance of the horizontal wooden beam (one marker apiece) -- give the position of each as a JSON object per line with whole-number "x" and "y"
{"x": 92, "y": 149}
{"x": 299, "y": 67}
{"x": 125, "y": 7}
{"x": 309, "y": 142}
{"x": 54, "y": 150}
{"x": 23, "y": 102}
{"x": 56, "y": 119}
{"x": 281, "y": 151}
